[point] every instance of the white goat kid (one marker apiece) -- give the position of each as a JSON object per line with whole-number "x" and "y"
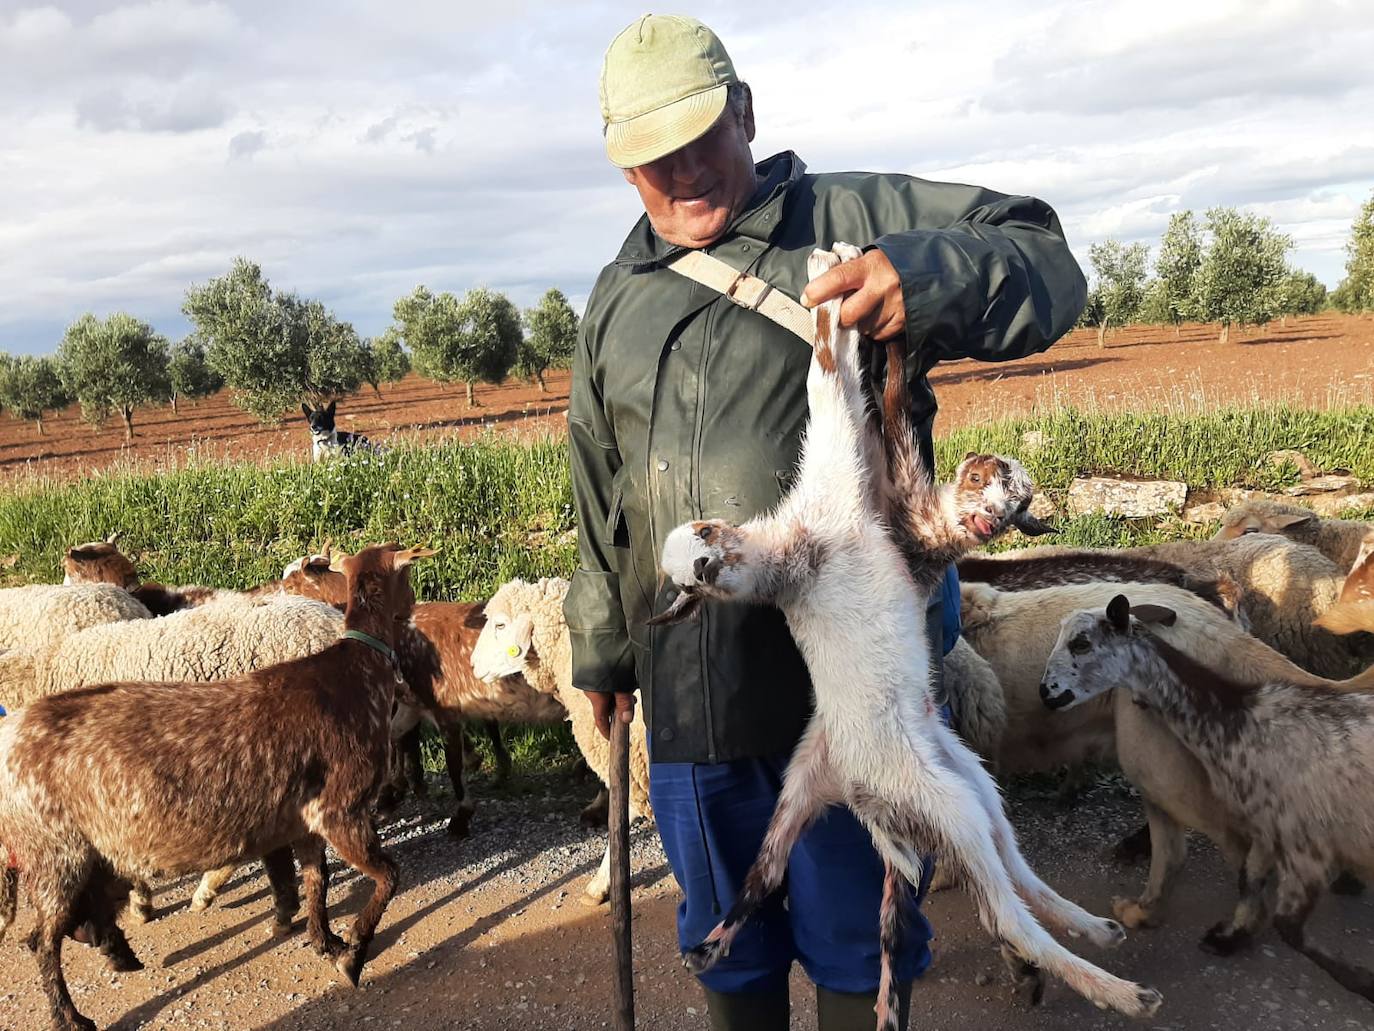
{"x": 876, "y": 742}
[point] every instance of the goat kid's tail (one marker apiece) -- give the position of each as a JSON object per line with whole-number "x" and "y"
{"x": 1348, "y": 617}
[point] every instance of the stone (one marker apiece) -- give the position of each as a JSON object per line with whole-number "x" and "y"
{"x": 1204, "y": 512}
{"x": 1042, "y": 507}
{"x": 1331, "y": 484}
{"x": 1329, "y": 506}
{"x": 1032, "y": 440}
{"x": 1306, "y": 470}
{"x": 1132, "y": 499}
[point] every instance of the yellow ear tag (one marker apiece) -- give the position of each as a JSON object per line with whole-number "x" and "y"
{"x": 513, "y": 651}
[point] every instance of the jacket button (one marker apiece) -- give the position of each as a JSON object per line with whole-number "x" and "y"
{"x": 745, "y": 248}
{"x": 663, "y": 465}
{"x": 666, "y": 734}
{"x": 676, "y": 345}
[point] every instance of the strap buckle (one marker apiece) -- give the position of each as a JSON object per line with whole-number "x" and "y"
{"x": 744, "y": 279}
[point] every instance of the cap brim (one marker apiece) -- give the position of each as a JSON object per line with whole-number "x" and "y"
{"x": 655, "y": 134}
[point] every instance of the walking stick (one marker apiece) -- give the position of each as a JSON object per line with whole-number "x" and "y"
{"x": 623, "y": 995}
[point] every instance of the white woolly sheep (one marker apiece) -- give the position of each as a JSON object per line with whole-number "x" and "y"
{"x": 1337, "y": 539}
{"x": 40, "y": 615}
{"x": 525, "y": 633}
{"x": 976, "y": 700}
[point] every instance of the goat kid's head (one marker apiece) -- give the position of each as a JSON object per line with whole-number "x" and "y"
{"x": 1097, "y": 650}
{"x": 378, "y": 580}
{"x": 703, "y": 559}
{"x": 99, "y": 562}
{"x": 1262, "y": 516}
{"x": 504, "y": 645}
{"x": 318, "y": 576}
{"x": 993, "y": 493}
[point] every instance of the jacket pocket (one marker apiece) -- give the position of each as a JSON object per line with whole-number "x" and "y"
{"x": 616, "y": 533}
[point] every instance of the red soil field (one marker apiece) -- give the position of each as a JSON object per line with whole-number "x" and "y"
{"x": 1317, "y": 360}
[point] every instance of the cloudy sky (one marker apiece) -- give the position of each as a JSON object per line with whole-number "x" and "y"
{"x": 357, "y": 148}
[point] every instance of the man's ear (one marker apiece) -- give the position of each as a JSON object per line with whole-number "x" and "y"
{"x": 631, "y": 176}
{"x": 748, "y": 111}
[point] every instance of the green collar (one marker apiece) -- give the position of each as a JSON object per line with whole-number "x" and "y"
{"x": 377, "y": 646}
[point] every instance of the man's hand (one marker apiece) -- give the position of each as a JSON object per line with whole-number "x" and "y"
{"x": 875, "y": 304}
{"x": 606, "y": 703}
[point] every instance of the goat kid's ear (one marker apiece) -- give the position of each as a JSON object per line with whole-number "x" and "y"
{"x": 1284, "y": 522}
{"x": 1161, "y": 614}
{"x": 1119, "y": 613}
{"x": 1030, "y": 525}
{"x": 404, "y": 558}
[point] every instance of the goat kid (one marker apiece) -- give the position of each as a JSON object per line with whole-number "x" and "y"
{"x": 1289, "y": 754}
{"x": 127, "y": 781}
{"x": 855, "y": 606}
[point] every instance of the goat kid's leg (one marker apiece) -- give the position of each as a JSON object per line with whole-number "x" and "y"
{"x": 598, "y": 889}
{"x": 286, "y": 899}
{"x": 1297, "y": 894}
{"x": 498, "y": 751}
{"x": 891, "y": 915}
{"x": 951, "y": 817}
{"x": 1168, "y": 854}
{"x": 98, "y": 911}
{"x": 55, "y": 890}
{"x": 460, "y": 823}
{"x": 140, "y": 903}
{"x": 315, "y": 876}
{"x": 1043, "y": 900}
{"x": 1252, "y": 908}
{"x": 358, "y": 845}
{"x": 212, "y": 882}
{"x": 808, "y": 786}
{"x": 399, "y": 759}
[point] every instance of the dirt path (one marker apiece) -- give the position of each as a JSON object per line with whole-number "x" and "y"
{"x": 489, "y": 935}
{"x": 1316, "y": 360}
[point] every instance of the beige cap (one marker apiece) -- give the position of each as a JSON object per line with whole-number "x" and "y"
{"x": 663, "y": 84}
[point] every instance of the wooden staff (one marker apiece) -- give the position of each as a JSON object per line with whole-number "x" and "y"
{"x": 623, "y": 995}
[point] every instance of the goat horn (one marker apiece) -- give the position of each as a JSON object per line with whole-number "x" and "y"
{"x": 113, "y": 537}
{"x": 1030, "y": 525}
{"x": 684, "y": 607}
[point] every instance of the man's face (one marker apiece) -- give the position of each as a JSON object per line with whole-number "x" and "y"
{"x": 692, "y": 194}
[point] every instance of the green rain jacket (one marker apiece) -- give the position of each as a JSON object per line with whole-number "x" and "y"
{"x": 686, "y": 406}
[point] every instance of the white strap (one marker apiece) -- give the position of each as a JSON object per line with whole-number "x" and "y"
{"x": 747, "y": 291}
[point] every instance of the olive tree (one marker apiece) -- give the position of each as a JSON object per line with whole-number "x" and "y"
{"x": 550, "y": 337}
{"x": 387, "y": 360}
{"x": 118, "y": 364}
{"x": 1180, "y": 254}
{"x": 460, "y": 341}
{"x": 1240, "y": 278}
{"x": 31, "y": 386}
{"x": 191, "y": 374}
{"x": 1356, "y": 291}
{"x": 1120, "y": 288}
{"x": 1301, "y": 293}
{"x": 273, "y": 349}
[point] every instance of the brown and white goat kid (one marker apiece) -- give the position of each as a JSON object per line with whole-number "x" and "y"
{"x": 876, "y": 742}
{"x": 133, "y": 780}
{"x": 1288, "y": 753}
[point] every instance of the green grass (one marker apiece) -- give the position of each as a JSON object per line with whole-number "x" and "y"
{"x": 497, "y": 509}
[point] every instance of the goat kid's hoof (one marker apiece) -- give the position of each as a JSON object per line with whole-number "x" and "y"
{"x": 1221, "y": 940}
{"x": 199, "y": 904}
{"x": 350, "y": 965}
{"x": 1148, "y": 1001}
{"x": 459, "y": 826}
{"x": 74, "y": 1022}
{"x": 1105, "y": 934}
{"x": 593, "y": 899}
{"x": 1131, "y": 913}
{"x": 331, "y": 946}
{"x": 1346, "y": 883}
{"x": 1029, "y": 986}
{"x": 124, "y": 962}
{"x": 703, "y": 957}
{"x": 143, "y": 913}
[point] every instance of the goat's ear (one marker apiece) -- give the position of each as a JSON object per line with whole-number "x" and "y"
{"x": 971, "y": 454}
{"x": 1291, "y": 519}
{"x": 1119, "y": 613}
{"x": 1160, "y": 614}
{"x": 305, "y": 409}
{"x": 476, "y": 618}
{"x": 402, "y": 559}
{"x": 327, "y": 551}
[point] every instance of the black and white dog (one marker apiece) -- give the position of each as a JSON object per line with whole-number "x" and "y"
{"x": 328, "y": 441}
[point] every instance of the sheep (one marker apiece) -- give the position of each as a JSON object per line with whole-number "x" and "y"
{"x": 42, "y": 615}
{"x": 854, "y": 594}
{"x": 976, "y": 699}
{"x": 1287, "y": 753}
{"x": 126, "y": 780}
{"x": 1284, "y": 587}
{"x": 1337, "y": 539}
{"x": 525, "y": 633}
{"x": 1354, "y": 612}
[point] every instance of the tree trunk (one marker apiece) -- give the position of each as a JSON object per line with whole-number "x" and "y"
{"x": 39, "y": 423}
{"x": 1178, "y": 331}
{"x": 174, "y": 405}
{"x": 1102, "y": 333}
{"x": 1283, "y": 321}
{"x": 471, "y": 402}
{"x": 1225, "y": 336}
{"x": 540, "y": 377}
{"x": 127, "y": 413}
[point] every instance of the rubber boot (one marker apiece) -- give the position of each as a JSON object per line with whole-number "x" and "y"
{"x": 751, "y": 1011}
{"x": 840, "y": 1011}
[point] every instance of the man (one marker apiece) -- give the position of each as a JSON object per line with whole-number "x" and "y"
{"x": 686, "y": 405}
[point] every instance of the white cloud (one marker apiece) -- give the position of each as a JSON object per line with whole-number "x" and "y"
{"x": 357, "y": 149}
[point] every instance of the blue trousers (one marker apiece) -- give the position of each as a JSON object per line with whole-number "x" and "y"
{"x": 712, "y": 819}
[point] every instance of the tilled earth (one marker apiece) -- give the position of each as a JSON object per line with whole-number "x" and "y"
{"x": 489, "y": 933}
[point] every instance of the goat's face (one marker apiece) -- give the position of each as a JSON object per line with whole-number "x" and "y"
{"x": 378, "y": 580}
{"x": 503, "y": 647}
{"x": 991, "y": 494}
{"x": 1098, "y": 649}
{"x": 315, "y": 577}
{"x": 99, "y": 562}
{"x": 704, "y": 559}
{"x": 1254, "y": 517}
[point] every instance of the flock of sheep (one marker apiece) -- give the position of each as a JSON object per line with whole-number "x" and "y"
{"x": 1277, "y": 582}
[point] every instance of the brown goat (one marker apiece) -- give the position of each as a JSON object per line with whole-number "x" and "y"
{"x": 130, "y": 780}
{"x": 1354, "y": 611}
